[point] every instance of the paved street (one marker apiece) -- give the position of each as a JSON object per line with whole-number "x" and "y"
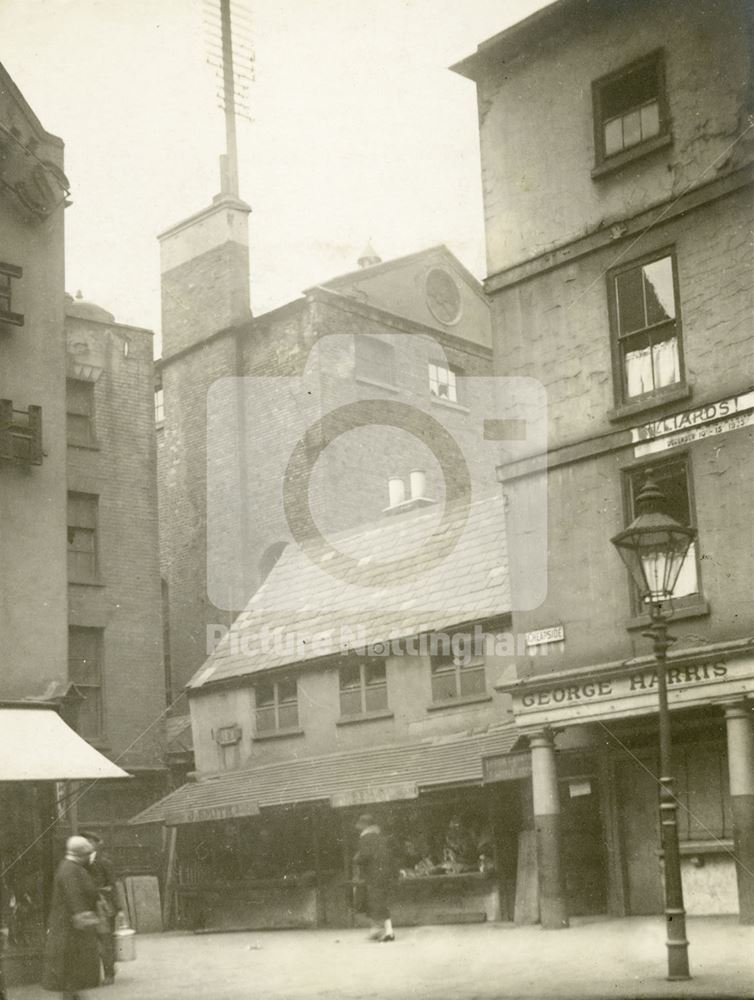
{"x": 617, "y": 958}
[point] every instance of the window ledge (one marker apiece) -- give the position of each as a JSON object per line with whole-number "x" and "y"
{"x": 387, "y": 386}
{"x": 698, "y": 609}
{"x": 278, "y": 734}
{"x": 92, "y": 446}
{"x": 449, "y": 404}
{"x": 638, "y": 152}
{"x": 653, "y": 401}
{"x": 472, "y": 699}
{"x": 349, "y": 720}
{"x": 86, "y": 583}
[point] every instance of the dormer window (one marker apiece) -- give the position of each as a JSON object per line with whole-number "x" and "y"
{"x": 8, "y": 273}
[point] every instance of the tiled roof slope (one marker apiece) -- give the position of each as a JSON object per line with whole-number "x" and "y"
{"x": 452, "y": 760}
{"x": 316, "y": 600}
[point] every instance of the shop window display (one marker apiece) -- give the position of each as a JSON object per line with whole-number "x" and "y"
{"x": 442, "y": 841}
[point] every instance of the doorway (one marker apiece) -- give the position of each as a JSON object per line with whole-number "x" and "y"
{"x": 583, "y": 846}
{"x": 638, "y": 819}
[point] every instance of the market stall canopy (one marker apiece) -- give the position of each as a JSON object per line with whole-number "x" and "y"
{"x": 348, "y": 778}
{"x": 36, "y": 745}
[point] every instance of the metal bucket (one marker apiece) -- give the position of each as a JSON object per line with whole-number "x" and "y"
{"x": 125, "y": 945}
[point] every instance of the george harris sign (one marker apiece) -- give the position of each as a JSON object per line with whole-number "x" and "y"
{"x": 575, "y": 696}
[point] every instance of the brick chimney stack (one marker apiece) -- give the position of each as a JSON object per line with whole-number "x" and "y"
{"x": 204, "y": 268}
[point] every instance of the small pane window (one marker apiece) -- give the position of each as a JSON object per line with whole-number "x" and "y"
{"x": 442, "y": 382}
{"x": 363, "y": 687}
{"x": 647, "y": 335}
{"x": 454, "y": 677}
{"x": 628, "y": 107}
{"x": 276, "y": 706}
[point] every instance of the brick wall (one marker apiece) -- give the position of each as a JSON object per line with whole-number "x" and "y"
{"x": 208, "y": 293}
{"x": 121, "y": 472}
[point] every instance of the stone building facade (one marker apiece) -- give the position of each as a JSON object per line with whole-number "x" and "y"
{"x": 40, "y": 750}
{"x": 622, "y": 281}
{"x": 32, "y": 389}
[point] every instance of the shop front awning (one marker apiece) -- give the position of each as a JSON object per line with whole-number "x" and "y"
{"x": 350, "y": 778}
{"x": 36, "y": 745}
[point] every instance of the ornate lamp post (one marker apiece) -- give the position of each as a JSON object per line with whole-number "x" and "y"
{"x": 654, "y": 547}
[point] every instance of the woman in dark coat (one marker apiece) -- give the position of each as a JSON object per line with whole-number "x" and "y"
{"x": 71, "y": 961}
{"x": 376, "y": 869}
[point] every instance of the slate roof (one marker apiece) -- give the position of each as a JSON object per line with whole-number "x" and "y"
{"x": 450, "y": 760}
{"x": 315, "y": 598}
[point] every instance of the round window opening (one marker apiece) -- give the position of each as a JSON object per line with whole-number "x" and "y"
{"x": 443, "y": 296}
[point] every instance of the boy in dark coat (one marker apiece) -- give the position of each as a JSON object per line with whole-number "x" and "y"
{"x": 71, "y": 961}
{"x": 375, "y": 868}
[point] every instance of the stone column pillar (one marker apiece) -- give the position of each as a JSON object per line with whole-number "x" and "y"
{"x": 552, "y": 906}
{"x": 741, "y": 770}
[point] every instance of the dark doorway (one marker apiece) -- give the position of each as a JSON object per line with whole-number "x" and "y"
{"x": 638, "y": 819}
{"x": 583, "y": 847}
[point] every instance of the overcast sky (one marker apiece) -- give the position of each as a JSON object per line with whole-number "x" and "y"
{"x": 359, "y": 131}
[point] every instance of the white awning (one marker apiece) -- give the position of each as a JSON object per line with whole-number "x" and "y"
{"x": 36, "y": 745}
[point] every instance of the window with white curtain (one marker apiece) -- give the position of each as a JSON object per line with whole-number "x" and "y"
{"x": 646, "y": 327}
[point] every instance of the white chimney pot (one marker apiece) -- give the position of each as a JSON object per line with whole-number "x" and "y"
{"x": 418, "y": 483}
{"x": 396, "y": 491}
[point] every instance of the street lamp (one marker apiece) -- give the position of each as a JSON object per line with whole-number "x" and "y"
{"x": 654, "y": 547}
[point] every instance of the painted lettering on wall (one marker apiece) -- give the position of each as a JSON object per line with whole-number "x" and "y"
{"x": 693, "y": 418}
{"x": 694, "y": 425}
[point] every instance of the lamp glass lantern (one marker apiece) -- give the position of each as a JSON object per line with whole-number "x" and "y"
{"x": 654, "y": 546}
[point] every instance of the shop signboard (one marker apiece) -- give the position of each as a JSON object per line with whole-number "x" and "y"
{"x": 370, "y": 794}
{"x": 693, "y": 425}
{"x": 578, "y": 696}
{"x": 507, "y": 767}
{"x": 209, "y": 814}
